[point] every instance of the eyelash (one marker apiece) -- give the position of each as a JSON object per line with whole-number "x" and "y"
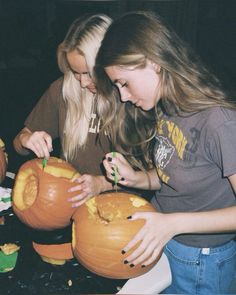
{"x": 80, "y": 74}
{"x": 124, "y": 85}
{"x": 119, "y": 85}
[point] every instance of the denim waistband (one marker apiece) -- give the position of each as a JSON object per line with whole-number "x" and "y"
{"x": 194, "y": 251}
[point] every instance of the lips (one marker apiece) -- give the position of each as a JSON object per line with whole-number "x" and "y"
{"x": 92, "y": 88}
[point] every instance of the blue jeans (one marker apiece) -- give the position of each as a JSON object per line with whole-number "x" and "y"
{"x": 200, "y": 270}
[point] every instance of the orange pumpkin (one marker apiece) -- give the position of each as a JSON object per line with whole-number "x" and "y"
{"x": 55, "y": 254}
{"x": 101, "y": 229}
{"x": 40, "y": 196}
{"x": 3, "y": 165}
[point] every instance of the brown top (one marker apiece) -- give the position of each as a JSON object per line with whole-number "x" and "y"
{"x": 49, "y": 115}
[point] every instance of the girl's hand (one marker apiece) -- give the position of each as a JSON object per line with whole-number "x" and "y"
{"x": 125, "y": 173}
{"x": 119, "y": 169}
{"x": 157, "y": 231}
{"x": 40, "y": 142}
{"x": 88, "y": 186}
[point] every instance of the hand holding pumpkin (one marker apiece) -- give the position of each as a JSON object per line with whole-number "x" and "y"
{"x": 158, "y": 229}
{"x": 87, "y": 187}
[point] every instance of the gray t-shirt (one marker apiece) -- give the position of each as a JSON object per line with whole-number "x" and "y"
{"x": 194, "y": 156}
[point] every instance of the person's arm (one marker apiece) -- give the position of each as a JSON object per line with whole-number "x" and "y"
{"x": 159, "y": 228}
{"x": 40, "y": 142}
{"x": 20, "y": 138}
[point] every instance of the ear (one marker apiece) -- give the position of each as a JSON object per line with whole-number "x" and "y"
{"x": 155, "y": 66}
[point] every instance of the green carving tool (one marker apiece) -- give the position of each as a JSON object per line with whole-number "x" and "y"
{"x": 44, "y": 162}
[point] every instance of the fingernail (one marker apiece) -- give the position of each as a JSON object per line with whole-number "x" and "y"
{"x": 129, "y": 217}
{"x": 109, "y": 159}
{"x": 143, "y": 266}
{"x": 122, "y": 179}
{"x": 123, "y": 252}
{"x": 112, "y": 174}
{"x": 126, "y": 261}
{"x": 131, "y": 265}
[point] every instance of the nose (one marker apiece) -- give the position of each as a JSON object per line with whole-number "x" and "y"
{"x": 85, "y": 81}
{"x": 124, "y": 95}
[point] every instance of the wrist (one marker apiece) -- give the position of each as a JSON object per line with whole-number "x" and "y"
{"x": 141, "y": 180}
{"x": 174, "y": 223}
{"x": 179, "y": 223}
{"x": 104, "y": 184}
{"x": 19, "y": 144}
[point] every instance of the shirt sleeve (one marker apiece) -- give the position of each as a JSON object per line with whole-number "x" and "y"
{"x": 45, "y": 114}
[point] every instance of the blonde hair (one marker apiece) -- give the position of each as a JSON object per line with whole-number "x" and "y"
{"x": 84, "y": 35}
{"x": 186, "y": 85}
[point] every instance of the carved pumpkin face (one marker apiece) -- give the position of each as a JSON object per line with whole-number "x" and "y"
{"x": 40, "y": 196}
{"x": 101, "y": 230}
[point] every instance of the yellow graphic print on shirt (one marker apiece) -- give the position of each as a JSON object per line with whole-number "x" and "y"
{"x": 169, "y": 139}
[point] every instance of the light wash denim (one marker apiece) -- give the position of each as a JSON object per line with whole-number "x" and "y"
{"x": 201, "y": 270}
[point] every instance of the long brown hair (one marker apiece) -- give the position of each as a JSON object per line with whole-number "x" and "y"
{"x": 186, "y": 85}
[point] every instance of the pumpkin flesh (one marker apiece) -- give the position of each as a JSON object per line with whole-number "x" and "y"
{"x": 56, "y": 254}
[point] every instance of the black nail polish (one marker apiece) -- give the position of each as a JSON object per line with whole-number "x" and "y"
{"x": 112, "y": 174}
{"x": 131, "y": 265}
{"x": 129, "y": 217}
{"x": 143, "y": 266}
{"x": 109, "y": 159}
{"x": 126, "y": 261}
{"x": 122, "y": 179}
{"x": 123, "y": 252}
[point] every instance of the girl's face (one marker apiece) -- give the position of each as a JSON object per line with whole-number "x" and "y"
{"x": 79, "y": 67}
{"x": 139, "y": 86}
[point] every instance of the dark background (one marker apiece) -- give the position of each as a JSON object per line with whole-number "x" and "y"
{"x": 30, "y": 31}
